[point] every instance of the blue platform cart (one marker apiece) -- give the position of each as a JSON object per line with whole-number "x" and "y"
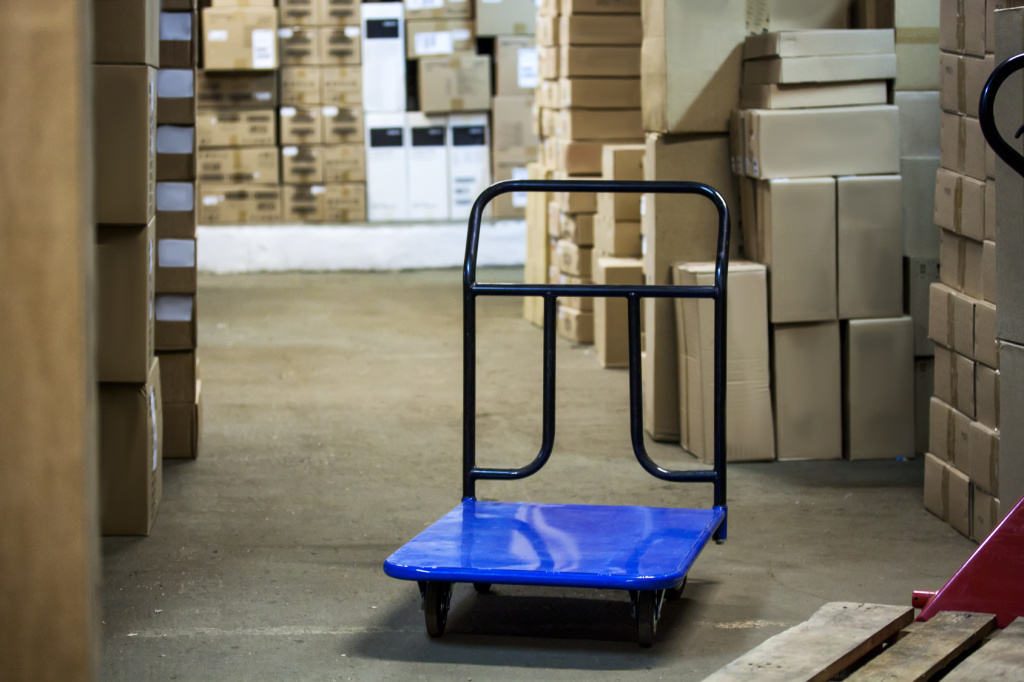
{"x": 646, "y": 551}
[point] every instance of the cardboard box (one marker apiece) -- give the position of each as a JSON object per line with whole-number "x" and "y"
{"x": 125, "y": 143}
{"x": 303, "y": 85}
{"x": 574, "y": 259}
{"x": 236, "y": 128}
{"x": 341, "y": 12}
{"x": 456, "y": 83}
{"x": 984, "y": 458}
{"x": 830, "y": 69}
{"x": 960, "y": 204}
{"x": 961, "y": 260}
{"x": 179, "y": 374}
{"x": 537, "y": 254}
{"x": 344, "y": 163}
{"x": 547, "y": 29}
{"x": 576, "y": 157}
{"x": 341, "y": 86}
{"x": 241, "y": 90}
{"x": 386, "y": 162}
{"x": 986, "y": 514}
{"x": 240, "y": 205}
{"x": 516, "y": 67}
{"x": 951, "y": 319}
{"x": 299, "y": 12}
{"x": 964, "y": 148}
{"x": 340, "y": 45}
{"x": 820, "y": 142}
{"x": 600, "y": 29}
{"x": 469, "y": 164}
{"x": 611, "y": 337}
{"x": 513, "y": 138}
{"x": 547, "y": 62}
{"x": 1011, "y": 391}
{"x": 584, "y": 305}
{"x": 678, "y": 229}
{"x": 176, "y": 209}
{"x": 917, "y": 41}
{"x": 796, "y": 228}
{"x": 124, "y": 302}
{"x": 304, "y": 203}
{"x": 438, "y": 9}
{"x": 614, "y": 237}
{"x": 301, "y": 125}
{"x": 175, "y": 327}
{"x": 175, "y": 266}
{"x": 924, "y": 388}
{"x": 130, "y": 454}
{"x": 578, "y": 229}
{"x": 986, "y": 395}
{"x": 175, "y": 152}
{"x": 255, "y": 165}
{"x": 949, "y": 437}
{"x": 920, "y": 123}
{"x": 575, "y": 325}
{"x": 815, "y": 95}
{"x": 299, "y": 46}
{"x": 345, "y": 203}
{"x": 869, "y": 246}
{"x": 986, "y": 348}
{"x": 601, "y": 62}
{"x": 302, "y": 165}
{"x": 383, "y": 36}
{"x": 954, "y": 380}
{"x": 599, "y": 124}
{"x": 179, "y": 40}
{"x": 878, "y": 379}
{"x": 963, "y": 27}
{"x": 342, "y": 125}
{"x": 918, "y": 276}
{"x": 183, "y": 426}
{"x": 427, "y": 166}
{"x": 920, "y": 238}
{"x": 621, "y": 162}
{"x": 600, "y": 6}
{"x": 947, "y": 494}
{"x": 239, "y": 38}
{"x": 505, "y": 17}
{"x": 749, "y": 427}
{"x": 599, "y": 93}
{"x": 126, "y": 32}
{"x": 176, "y": 96}
{"x": 837, "y": 42}
{"x": 433, "y": 37}
{"x": 962, "y": 79}
{"x": 807, "y": 390}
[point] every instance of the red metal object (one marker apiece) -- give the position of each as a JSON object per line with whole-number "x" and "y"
{"x": 991, "y": 581}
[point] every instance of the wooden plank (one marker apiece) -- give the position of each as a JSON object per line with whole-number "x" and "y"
{"x": 835, "y": 637}
{"x": 1001, "y": 658}
{"x": 928, "y": 650}
{"x": 49, "y": 547}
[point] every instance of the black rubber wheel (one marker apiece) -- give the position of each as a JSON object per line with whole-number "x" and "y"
{"x": 677, "y": 591}
{"x": 482, "y": 588}
{"x": 436, "y": 602}
{"x": 646, "y": 617}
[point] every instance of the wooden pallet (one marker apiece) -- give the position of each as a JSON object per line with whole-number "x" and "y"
{"x": 873, "y": 642}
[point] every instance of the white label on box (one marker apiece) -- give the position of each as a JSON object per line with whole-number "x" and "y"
{"x": 317, "y": 189}
{"x": 287, "y": 112}
{"x": 492, "y": 2}
{"x": 643, "y": 245}
{"x": 176, "y": 253}
{"x": 262, "y": 96}
{"x": 173, "y": 308}
{"x": 218, "y": 36}
{"x": 175, "y": 196}
{"x": 174, "y": 139}
{"x": 289, "y": 151}
{"x": 435, "y": 42}
{"x": 519, "y": 198}
{"x": 154, "y": 427}
{"x": 527, "y": 71}
{"x": 330, "y": 112}
{"x": 460, "y": 34}
{"x": 211, "y": 200}
{"x": 352, "y": 31}
{"x": 413, "y": 5}
{"x": 264, "y": 46}
{"x": 175, "y": 83}
{"x": 175, "y": 26}
{"x": 285, "y": 32}
{"x": 643, "y": 204}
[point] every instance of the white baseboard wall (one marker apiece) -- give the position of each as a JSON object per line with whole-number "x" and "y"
{"x": 320, "y": 248}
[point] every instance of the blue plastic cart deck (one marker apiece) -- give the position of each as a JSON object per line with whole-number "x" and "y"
{"x": 518, "y": 543}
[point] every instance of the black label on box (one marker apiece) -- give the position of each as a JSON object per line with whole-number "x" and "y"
{"x": 428, "y": 137}
{"x": 382, "y": 28}
{"x": 386, "y": 137}
{"x": 469, "y": 136}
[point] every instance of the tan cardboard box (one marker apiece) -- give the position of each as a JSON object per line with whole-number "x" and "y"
{"x": 179, "y": 373}
{"x": 547, "y": 94}
{"x": 302, "y": 165}
{"x": 126, "y": 32}
{"x": 951, "y": 319}
{"x": 176, "y": 96}
{"x": 340, "y": 45}
{"x": 341, "y": 86}
{"x": 515, "y": 65}
{"x": 505, "y": 17}
{"x": 830, "y": 69}
{"x": 124, "y": 302}
{"x": 512, "y": 204}
{"x": 183, "y": 427}
{"x": 342, "y": 125}
{"x": 176, "y": 266}
{"x": 576, "y": 157}
{"x": 750, "y": 434}
{"x": 611, "y": 337}
{"x": 175, "y": 327}
{"x": 785, "y": 44}
{"x": 600, "y": 29}
{"x": 243, "y": 90}
{"x": 456, "y": 83}
{"x": 255, "y": 165}
{"x": 962, "y": 263}
{"x": 547, "y": 30}
{"x": 433, "y": 37}
{"x": 960, "y": 204}
{"x": 924, "y": 388}
{"x": 299, "y": 12}
{"x": 575, "y": 325}
{"x": 986, "y": 395}
{"x": 917, "y": 38}
{"x": 621, "y": 162}
{"x": 918, "y": 276}
{"x": 599, "y": 93}
{"x": 537, "y": 252}
{"x": 302, "y": 85}
{"x": 239, "y": 204}
{"x": 954, "y": 380}
{"x": 814, "y": 95}
{"x": 299, "y": 46}
{"x": 869, "y": 246}
{"x": 236, "y": 128}
{"x": 677, "y": 229}
{"x": 986, "y": 348}
{"x": 344, "y": 163}
{"x": 179, "y": 40}
{"x": 920, "y": 238}
{"x": 988, "y": 271}
{"x": 513, "y": 139}
{"x": 984, "y": 457}
{"x": 949, "y": 434}
{"x": 962, "y": 79}
{"x": 964, "y": 149}
{"x": 796, "y": 228}
{"x": 575, "y": 202}
{"x": 920, "y": 123}
{"x": 580, "y": 303}
{"x": 601, "y": 62}
{"x": 878, "y": 365}
{"x": 342, "y": 12}
{"x": 448, "y": 9}
{"x": 618, "y": 238}
{"x": 578, "y": 229}
{"x": 125, "y": 143}
{"x": 808, "y": 391}
{"x": 574, "y": 259}
{"x": 1011, "y": 428}
{"x": 175, "y": 152}
{"x": 345, "y": 203}
{"x": 820, "y": 142}
{"x": 131, "y": 455}
{"x": 947, "y": 494}
{"x": 303, "y": 203}
{"x": 301, "y": 125}
{"x": 599, "y": 124}
{"x": 547, "y": 62}
{"x": 548, "y": 122}
{"x": 239, "y": 38}
{"x": 962, "y": 29}
{"x": 600, "y": 6}
{"x": 986, "y": 514}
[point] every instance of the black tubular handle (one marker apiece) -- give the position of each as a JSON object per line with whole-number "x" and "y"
{"x": 987, "y": 107}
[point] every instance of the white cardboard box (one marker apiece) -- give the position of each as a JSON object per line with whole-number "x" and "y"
{"x": 383, "y": 46}
{"x": 469, "y": 161}
{"x": 387, "y": 195}
{"x": 427, "y": 177}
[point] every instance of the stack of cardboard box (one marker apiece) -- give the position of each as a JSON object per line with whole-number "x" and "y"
{"x": 822, "y": 208}
{"x": 127, "y": 52}
{"x": 974, "y": 200}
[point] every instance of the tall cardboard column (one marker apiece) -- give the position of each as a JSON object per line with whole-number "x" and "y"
{"x": 48, "y": 530}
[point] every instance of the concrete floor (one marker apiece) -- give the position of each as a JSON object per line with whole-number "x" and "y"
{"x": 332, "y": 436}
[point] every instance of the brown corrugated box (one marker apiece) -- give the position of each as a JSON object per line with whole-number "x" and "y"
{"x": 580, "y": 303}
{"x": 125, "y": 143}
{"x": 575, "y": 325}
{"x": 303, "y": 203}
{"x": 818, "y": 43}
{"x": 240, "y": 38}
{"x": 575, "y": 202}
{"x": 602, "y": 62}
{"x": 236, "y": 128}
{"x": 124, "y": 302}
{"x": 513, "y": 140}
{"x": 299, "y": 12}
{"x": 514, "y": 68}
{"x": 547, "y": 29}
{"x": 176, "y": 209}
{"x": 547, "y": 61}
{"x": 949, "y": 434}
{"x": 963, "y": 146}
{"x": 176, "y": 96}
{"x": 918, "y": 276}
{"x": 432, "y": 37}
{"x": 986, "y": 348}
{"x": 179, "y": 373}
{"x": 574, "y": 259}
{"x": 954, "y": 380}
{"x": 342, "y": 12}
{"x": 179, "y": 40}
{"x": 815, "y": 95}
{"x": 301, "y": 125}
{"x": 577, "y": 157}
{"x": 131, "y": 455}
{"x": 947, "y": 494}
{"x": 987, "y": 514}
{"x": 621, "y": 162}
{"x": 176, "y": 266}
{"x": 984, "y": 457}
{"x": 961, "y": 260}
{"x": 960, "y": 204}
{"x": 599, "y": 124}
{"x": 619, "y": 238}
{"x": 986, "y": 395}
{"x": 988, "y": 271}
{"x": 344, "y": 163}
{"x": 827, "y": 69}
{"x": 126, "y": 32}
{"x": 456, "y": 83}
{"x": 807, "y": 391}
{"x": 598, "y": 29}
{"x": 175, "y": 327}
{"x": 256, "y": 165}
{"x": 951, "y": 319}
{"x": 600, "y": 6}
{"x": 345, "y": 203}
{"x": 339, "y": 45}
{"x": 239, "y": 204}
{"x": 342, "y": 125}
{"x": 183, "y": 427}
{"x": 257, "y": 90}
{"x": 962, "y": 28}
{"x": 341, "y": 86}
{"x": 505, "y": 17}
{"x": 302, "y": 165}
{"x": 302, "y": 85}
{"x": 299, "y": 46}
{"x": 511, "y": 204}
{"x": 578, "y": 229}
{"x": 611, "y": 337}
{"x": 599, "y": 93}
{"x": 437, "y": 10}
{"x": 961, "y": 81}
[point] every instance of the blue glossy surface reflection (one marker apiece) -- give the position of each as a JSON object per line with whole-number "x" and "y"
{"x": 642, "y": 548}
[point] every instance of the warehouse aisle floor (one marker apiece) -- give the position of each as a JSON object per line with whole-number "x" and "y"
{"x": 332, "y": 435}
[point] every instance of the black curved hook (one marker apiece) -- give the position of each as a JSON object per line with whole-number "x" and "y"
{"x": 1002, "y": 148}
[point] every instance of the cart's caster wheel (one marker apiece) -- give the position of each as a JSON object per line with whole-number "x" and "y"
{"x": 676, "y": 592}
{"x": 436, "y": 601}
{"x": 482, "y": 588}
{"x": 647, "y": 608}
